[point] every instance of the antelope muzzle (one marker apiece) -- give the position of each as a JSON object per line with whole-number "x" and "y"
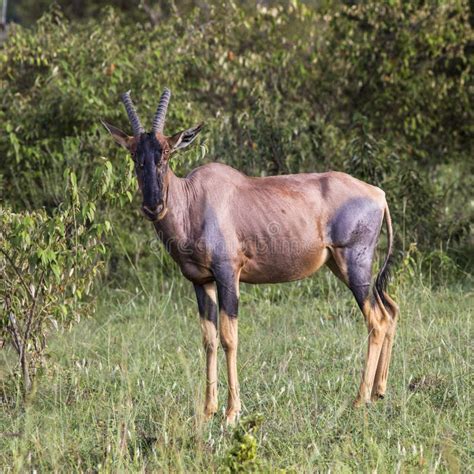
{"x": 155, "y": 213}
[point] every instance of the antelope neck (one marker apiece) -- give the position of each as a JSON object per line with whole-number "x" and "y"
{"x": 176, "y": 222}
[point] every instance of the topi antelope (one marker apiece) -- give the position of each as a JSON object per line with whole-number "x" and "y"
{"x": 222, "y": 227}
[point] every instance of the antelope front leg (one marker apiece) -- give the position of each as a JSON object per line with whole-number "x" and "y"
{"x": 228, "y": 331}
{"x": 207, "y": 303}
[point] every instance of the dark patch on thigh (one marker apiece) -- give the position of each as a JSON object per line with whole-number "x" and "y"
{"x": 355, "y": 223}
{"x": 207, "y": 307}
{"x": 355, "y": 229}
{"x": 359, "y": 270}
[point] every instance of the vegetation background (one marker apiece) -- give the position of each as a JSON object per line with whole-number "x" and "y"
{"x": 381, "y": 90}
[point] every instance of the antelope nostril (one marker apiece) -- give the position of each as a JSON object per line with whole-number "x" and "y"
{"x": 152, "y": 213}
{"x": 148, "y": 212}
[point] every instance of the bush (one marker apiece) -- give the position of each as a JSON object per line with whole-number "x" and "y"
{"x": 48, "y": 264}
{"x": 380, "y": 91}
{"x": 242, "y": 455}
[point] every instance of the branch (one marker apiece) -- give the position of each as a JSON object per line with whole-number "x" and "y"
{"x": 14, "y": 327}
{"x": 12, "y": 263}
{"x": 153, "y": 15}
{"x": 33, "y": 306}
{"x": 16, "y": 337}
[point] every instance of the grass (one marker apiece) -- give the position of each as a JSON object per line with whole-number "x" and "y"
{"x": 123, "y": 391}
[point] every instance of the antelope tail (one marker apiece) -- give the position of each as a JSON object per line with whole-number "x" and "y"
{"x": 384, "y": 274}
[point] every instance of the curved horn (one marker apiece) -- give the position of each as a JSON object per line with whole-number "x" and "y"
{"x": 132, "y": 114}
{"x": 159, "y": 119}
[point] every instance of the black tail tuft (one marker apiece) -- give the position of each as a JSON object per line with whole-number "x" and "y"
{"x": 382, "y": 280}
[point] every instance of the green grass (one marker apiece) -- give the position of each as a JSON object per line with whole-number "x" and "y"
{"x": 123, "y": 391}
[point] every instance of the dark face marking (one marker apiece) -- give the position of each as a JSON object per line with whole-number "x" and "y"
{"x": 355, "y": 229}
{"x": 151, "y": 166}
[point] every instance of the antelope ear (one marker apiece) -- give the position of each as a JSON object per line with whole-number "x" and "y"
{"x": 120, "y": 137}
{"x": 184, "y": 138}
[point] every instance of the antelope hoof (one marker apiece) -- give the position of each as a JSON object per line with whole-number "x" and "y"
{"x": 231, "y": 418}
{"x": 209, "y": 412}
{"x": 378, "y": 396}
{"x": 359, "y": 402}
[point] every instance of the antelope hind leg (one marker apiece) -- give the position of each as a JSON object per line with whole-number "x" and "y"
{"x": 353, "y": 265}
{"x": 377, "y": 326}
{"x": 381, "y": 375}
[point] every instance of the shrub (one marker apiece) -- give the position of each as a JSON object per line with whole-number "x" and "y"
{"x": 242, "y": 456}
{"x": 280, "y": 89}
{"x": 48, "y": 264}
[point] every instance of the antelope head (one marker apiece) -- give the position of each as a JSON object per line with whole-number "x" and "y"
{"x": 151, "y": 152}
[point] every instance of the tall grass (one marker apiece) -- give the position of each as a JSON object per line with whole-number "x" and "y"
{"x": 124, "y": 391}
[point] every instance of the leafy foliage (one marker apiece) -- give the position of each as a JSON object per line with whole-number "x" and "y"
{"x": 48, "y": 264}
{"x": 242, "y": 456}
{"x": 29, "y": 11}
{"x": 380, "y": 91}
{"x": 411, "y": 64}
